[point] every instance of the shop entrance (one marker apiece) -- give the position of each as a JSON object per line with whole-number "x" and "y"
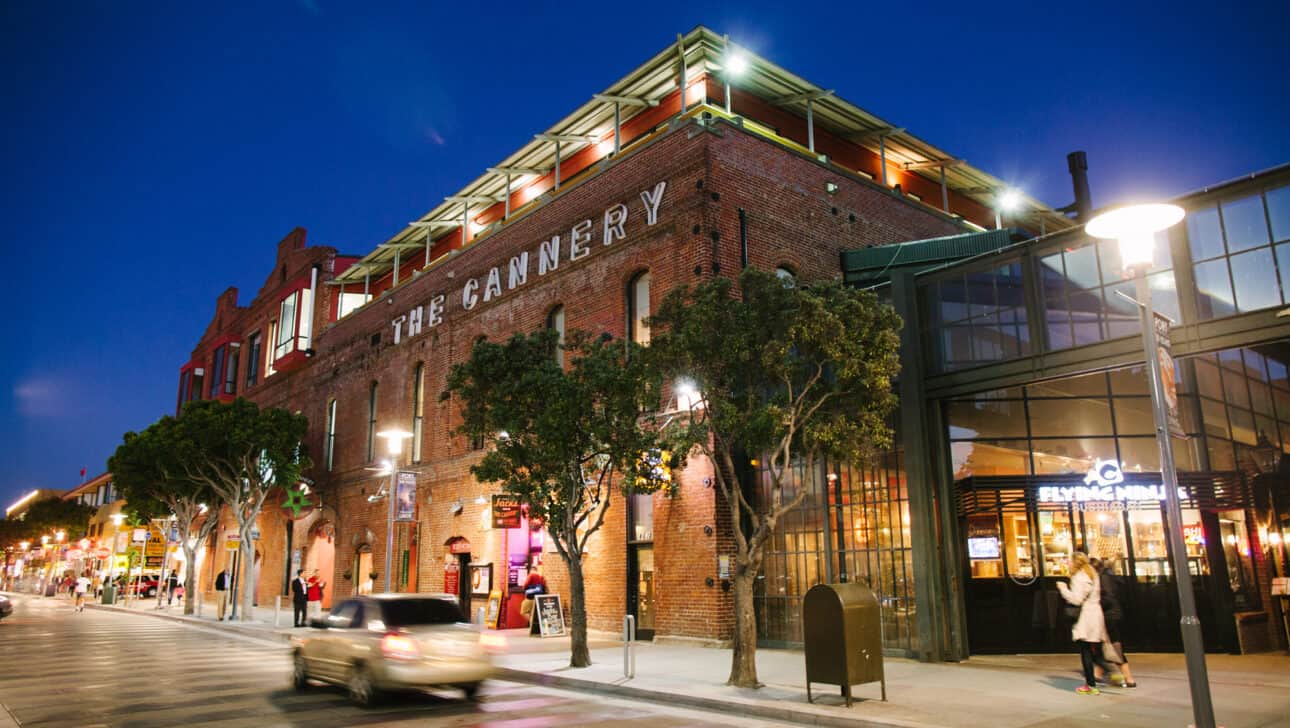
{"x": 320, "y": 556}
{"x": 1020, "y": 532}
{"x": 363, "y": 570}
{"x": 641, "y": 589}
{"x": 457, "y": 572}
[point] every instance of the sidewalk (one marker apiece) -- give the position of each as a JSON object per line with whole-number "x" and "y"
{"x": 1004, "y": 691}
{"x": 260, "y": 625}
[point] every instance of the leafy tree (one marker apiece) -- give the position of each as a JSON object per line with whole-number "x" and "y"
{"x": 564, "y": 438}
{"x": 47, "y": 516}
{"x": 149, "y": 471}
{"x": 242, "y": 453}
{"x": 797, "y": 376}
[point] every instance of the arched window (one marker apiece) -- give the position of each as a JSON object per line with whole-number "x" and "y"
{"x": 638, "y": 308}
{"x": 330, "y": 445}
{"x": 371, "y": 422}
{"x": 786, "y": 276}
{"x": 555, "y": 322}
{"x": 418, "y": 409}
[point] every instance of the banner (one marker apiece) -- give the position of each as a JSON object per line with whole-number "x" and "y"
{"x": 1168, "y": 383}
{"x": 405, "y": 496}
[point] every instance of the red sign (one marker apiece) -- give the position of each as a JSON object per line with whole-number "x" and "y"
{"x": 458, "y": 545}
{"x": 102, "y": 553}
{"x": 452, "y": 578}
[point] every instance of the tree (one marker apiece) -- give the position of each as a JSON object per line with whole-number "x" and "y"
{"x": 563, "y": 439}
{"x": 242, "y": 453}
{"x": 149, "y": 471}
{"x": 48, "y": 516}
{"x": 797, "y": 376}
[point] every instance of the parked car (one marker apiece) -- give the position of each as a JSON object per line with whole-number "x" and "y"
{"x": 6, "y": 606}
{"x": 144, "y": 586}
{"x": 392, "y": 642}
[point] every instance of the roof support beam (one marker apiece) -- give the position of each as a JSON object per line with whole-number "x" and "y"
{"x": 518, "y": 170}
{"x": 395, "y": 284}
{"x": 804, "y": 96}
{"x": 809, "y": 97}
{"x": 941, "y": 164}
{"x": 680, "y": 49}
{"x": 561, "y": 139}
{"x": 625, "y": 100}
{"x": 367, "y": 285}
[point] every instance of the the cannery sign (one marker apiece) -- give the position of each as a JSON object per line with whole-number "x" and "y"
{"x": 578, "y": 243}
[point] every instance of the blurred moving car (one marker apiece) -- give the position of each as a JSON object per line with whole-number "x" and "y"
{"x": 145, "y": 586}
{"x": 392, "y": 642}
{"x": 6, "y": 606}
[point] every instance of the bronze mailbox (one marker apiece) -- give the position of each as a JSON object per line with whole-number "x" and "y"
{"x": 842, "y": 627}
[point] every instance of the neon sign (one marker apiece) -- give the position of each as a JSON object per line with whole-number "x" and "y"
{"x": 1104, "y": 482}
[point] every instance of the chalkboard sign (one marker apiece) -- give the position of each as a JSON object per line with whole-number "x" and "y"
{"x": 494, "y": 609}
{"x": 550, "y": 615}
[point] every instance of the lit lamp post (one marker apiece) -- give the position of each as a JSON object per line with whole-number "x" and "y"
{"x": 394, "y": 446}
{"x": 1135, "y": 228}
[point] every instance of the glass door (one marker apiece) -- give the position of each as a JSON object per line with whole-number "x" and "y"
{"x": 643, "y": 594}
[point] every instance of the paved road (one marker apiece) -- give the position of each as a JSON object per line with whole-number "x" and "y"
{"x": 100, "y": 668}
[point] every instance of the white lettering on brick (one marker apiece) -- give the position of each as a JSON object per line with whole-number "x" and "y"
{"x": 579, "y": 239}
{"x": 398, "y": 328}
{"x": 493, "y": 288}
{"x": 518, "y": 270}
{"x": 468, "y": 297}
{"x": 434, "y": 311}
{"x": 414, "y": 322}
{"x": 652, "y": 198}
{"x": 615, "y": 218}
{"x": 549, "y": 255}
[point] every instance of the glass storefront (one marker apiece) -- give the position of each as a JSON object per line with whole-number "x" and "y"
{"x": 853, "y": 526}
{"x": 1021, "y": 455}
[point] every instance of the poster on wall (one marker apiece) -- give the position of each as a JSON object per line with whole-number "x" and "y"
{"x": 494, "y": 609}
{"x": 405, "y": 497}
{"x": 481, "y": 579}
{"x": 550, "y": 614}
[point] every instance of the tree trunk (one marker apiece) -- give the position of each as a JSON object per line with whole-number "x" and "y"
{"x": 579, "y": 654}
{"x": 190, "y": 576}
{"x": 247, "y": 584}
{"x": 743, "y": 664}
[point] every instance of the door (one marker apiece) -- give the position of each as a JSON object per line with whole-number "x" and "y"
{"x": 641, "y": 600}
{"x": 464, "y": 585}
{"x": 363, "y": 572}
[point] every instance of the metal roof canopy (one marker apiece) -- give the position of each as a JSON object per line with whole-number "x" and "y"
{"x": 701, "y": 51}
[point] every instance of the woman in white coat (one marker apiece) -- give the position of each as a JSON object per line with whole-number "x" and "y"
{"x": 1089, "y": 631}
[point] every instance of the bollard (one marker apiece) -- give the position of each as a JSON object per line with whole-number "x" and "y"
{"x": 277, "y": 609}
{"x": 629, "y": 646}
{"x": 199, "y": 603}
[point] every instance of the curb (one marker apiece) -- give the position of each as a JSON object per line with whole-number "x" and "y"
{"x": 787, "y": 715}
{"x": 232, "y": 627}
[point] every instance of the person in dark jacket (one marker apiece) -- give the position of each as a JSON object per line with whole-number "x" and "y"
{"x": 300, "y": 597}
{"x": 221, "y": 591}
{"x": 1113, "y": 611}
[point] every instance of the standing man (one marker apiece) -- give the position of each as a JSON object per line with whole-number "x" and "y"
{"x": 82, "y": 586}
{"x": 300, "y": 597}
{"x": 221, "y": 586}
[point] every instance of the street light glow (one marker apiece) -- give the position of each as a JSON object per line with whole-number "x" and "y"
{"x": 394, "y": 439}
{"x": 1134, "y": 227}
{"x": 1010, "y": 200}
{"x": 736, "y": 64}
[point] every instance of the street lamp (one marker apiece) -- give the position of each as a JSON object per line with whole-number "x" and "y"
{"x": 1009, "y": 200}
{"x": 1135, "y": 227}
{"x": 394, "y": 446}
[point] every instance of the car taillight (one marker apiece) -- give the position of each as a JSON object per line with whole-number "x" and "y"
{"x": 399, "y": 647}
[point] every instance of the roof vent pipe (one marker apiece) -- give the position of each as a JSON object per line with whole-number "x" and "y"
{"x": 1077, "y": 162}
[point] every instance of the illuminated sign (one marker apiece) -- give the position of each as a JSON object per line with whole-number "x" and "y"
{"x": 1104, "y": 482}
{"x": 570, "y": 248}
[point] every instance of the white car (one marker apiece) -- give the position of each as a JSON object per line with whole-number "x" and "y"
{"x": 390, "y": 642}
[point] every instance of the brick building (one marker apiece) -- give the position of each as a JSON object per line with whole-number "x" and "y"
{"x": 679, "y": 172}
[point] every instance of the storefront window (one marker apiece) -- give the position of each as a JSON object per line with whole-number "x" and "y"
{"x": 985, "y": 548}
{"x": 1151, "y": 558}
{"x": 1235, "y": 533}
{"x": 1057, "y": 542}
{"x": 1018, "y": 547}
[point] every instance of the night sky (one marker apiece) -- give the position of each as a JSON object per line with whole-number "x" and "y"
{"x": 154, "y": 153}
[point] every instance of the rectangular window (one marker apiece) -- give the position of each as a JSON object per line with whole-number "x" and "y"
{"x": 642, "y": 518}
{"x": 371, "y": 423}
{"x": 254, "y": 350}
{"x": 351, "y": 302}
{"x": 285, "y": 343}
{"x": 268, "y": 355}
{"x": 217, "y": 370}
{"x": 329, "y": 446}
{"x": 230, "y": 370}
{"x": 418, "y": 411}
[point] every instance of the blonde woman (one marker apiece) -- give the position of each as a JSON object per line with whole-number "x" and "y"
{"x": 1089, "y": 631}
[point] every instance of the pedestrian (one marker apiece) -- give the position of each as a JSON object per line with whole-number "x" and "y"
{"x": 1112, "y": 596}
{"x": 81, "y": 587}
{"x": 316, "y": 586}
{"x": 534, "y": 586}
{"x": 221, "y": 587}
{"x": 1089, "y": 630}
{"x": 172, "y": 583}
{"x": 300, "y": 597}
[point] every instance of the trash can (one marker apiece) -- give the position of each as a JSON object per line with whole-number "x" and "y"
{"x": 109, "y": 594}
{"x": 842, "y": 627}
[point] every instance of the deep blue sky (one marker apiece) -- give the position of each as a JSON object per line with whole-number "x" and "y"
{"x": 154, "y": 153}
